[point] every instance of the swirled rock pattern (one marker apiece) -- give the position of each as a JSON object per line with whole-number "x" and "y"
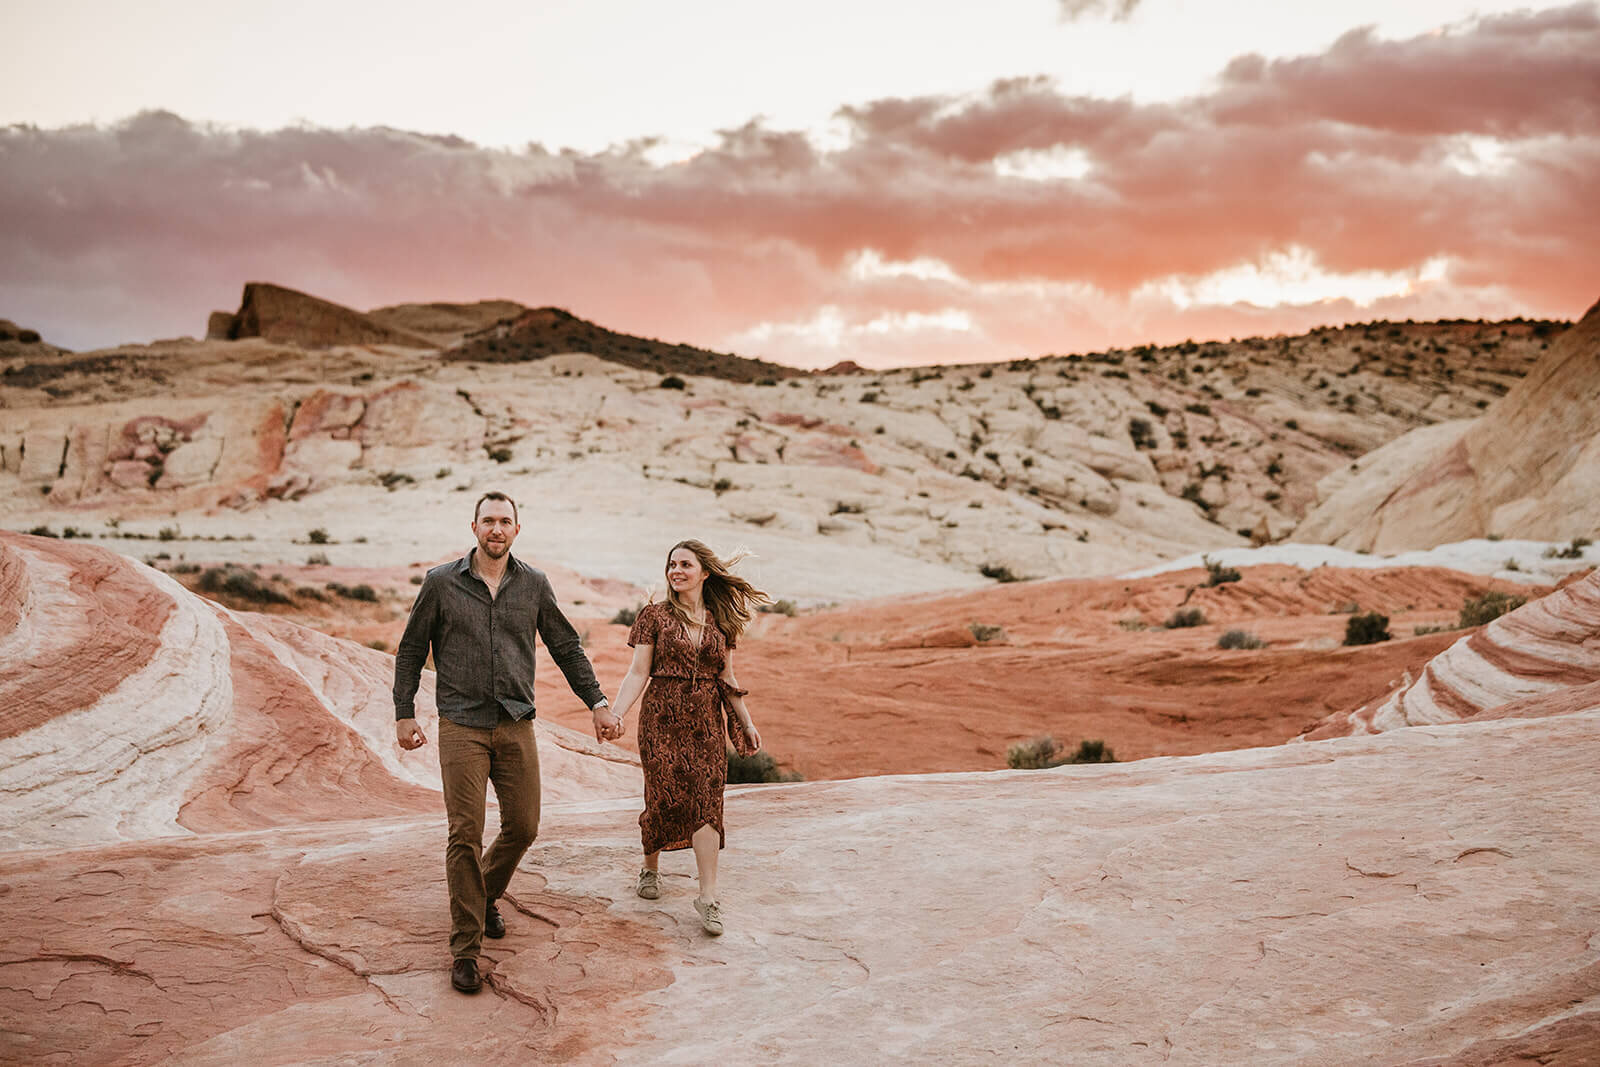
{"x": 135, "y": 709}
{"x": 222, "y": 858}
{"x": 1541, "y": 659}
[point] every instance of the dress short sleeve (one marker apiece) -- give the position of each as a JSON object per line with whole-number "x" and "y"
{"x": 645, "y": 627}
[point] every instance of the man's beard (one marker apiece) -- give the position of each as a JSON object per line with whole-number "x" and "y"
{"x": 495, "y": 549}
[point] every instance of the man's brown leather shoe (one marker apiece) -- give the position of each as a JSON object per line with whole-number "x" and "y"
{"x": 464, "y": 975}
{"x": 493, "y": 925}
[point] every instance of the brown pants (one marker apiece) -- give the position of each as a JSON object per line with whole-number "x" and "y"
{"x": 470, "y": 757}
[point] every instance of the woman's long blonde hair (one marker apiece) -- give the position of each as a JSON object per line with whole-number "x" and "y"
{"x": 729, "y": 599}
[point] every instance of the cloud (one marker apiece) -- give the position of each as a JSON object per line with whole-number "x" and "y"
{"x": 1449, "y": 174}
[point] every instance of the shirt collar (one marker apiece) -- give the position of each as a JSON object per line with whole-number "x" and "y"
{"x": 463, "y": 566}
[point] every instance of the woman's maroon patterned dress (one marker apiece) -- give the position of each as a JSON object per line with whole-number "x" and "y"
{"x": 681, "y": 730}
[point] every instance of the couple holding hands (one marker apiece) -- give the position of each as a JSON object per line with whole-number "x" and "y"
{"x": 478, "y": 616}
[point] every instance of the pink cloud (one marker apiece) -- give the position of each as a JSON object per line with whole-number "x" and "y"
{"x": 1478, "y": 149}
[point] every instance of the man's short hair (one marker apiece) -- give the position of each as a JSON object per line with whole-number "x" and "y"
{"x": 494, "y": 494}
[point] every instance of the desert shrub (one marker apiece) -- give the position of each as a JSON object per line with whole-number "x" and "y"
{"x": 998, "y": 572}
{"x": 241, "y": 583}
{"x": 1291, "y": 424}
{"x": 1475, "y": 611}
{"x": 778, "y": 607}
{"x": 1421, "y": 630}
{"x": 985, "y": 632}
{"x": 416, "y": 579}
{"x": 500, "y": 455}
{"x": 843, "y": 508}
{"x": 1217, "y": 574}
{"x": 870, "y": 397}
{"x": 1041, "y": 752}
{"x": 319, "y": 536}
{"x": 625, "y": 616}
{"x": 354, "y": 592}
{"x": 1133, "y": 623}
{"x": 1185, "y": 617}
{"x": 1034, "y": 754}
{"x": 1142, "y": 433}
{"x": 1198, "y": 409}
{"x": 722, "y": 485}
{"x": 1096, "y": 751}
{"x": 442, "y": 472}
{"x": 1234, "y": 639}
{"x": 169, "y": 533}
{"x": 1513, "y": 565}
{"x": 380, "y": 644}
{"x": 1367, "y": 628}
{"x": 1572, "y": 551}
{"x": 317, "y": 559}
{"x": 1158, "y": 410}
{"x": 392, "y": 480}
{"x": 43, "y": 531}
{"x": 760, "y": 767}
{"x": 190, "y": 568}
{"x": 672, "y": 381}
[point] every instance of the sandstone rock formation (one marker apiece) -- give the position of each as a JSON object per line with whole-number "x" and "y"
{"x": 1541, "y": 659}
{"x": 1530, "y": 467}
{"x": 446, "y": 324}
{"x": 286, "y": 316}
{"x": 548, "y": 331}
{"x": 134, "y": 709}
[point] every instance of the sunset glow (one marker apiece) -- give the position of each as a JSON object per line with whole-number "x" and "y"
{"x": 1044, "y": 176}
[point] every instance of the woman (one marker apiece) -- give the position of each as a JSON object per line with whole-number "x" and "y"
{"x": 683, "y": 651}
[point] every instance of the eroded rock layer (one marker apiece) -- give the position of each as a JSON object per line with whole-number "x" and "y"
{"x": 135, "y": 709}
{"x": 1541, "y": 659}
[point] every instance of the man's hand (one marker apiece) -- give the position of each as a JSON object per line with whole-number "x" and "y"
{"x": 409, "y": 734}
{"x": 607, "y": 727}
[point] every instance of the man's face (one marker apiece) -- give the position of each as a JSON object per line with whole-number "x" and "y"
{"x": 495, "y": 528}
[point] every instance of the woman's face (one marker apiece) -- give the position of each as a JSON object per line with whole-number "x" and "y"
{"x": 684, "y": 574}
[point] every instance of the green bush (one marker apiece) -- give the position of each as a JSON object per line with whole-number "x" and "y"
{"x": 319, "y": 536}
{"x": 241, "y": 583}
{"x": 1043, "y": 752}
{"x": 317, "y": 559}
{"x": 1487, "y": 608}
{"x": 998, "y": 573}
{"x": 672, "y": 381}
{"x": 43, "y": 531}
{"x": 1234, "y": 639}
{"x": 169, "y": 533}
{"x": 354, "y": 592}
{"x": 1217, "y": 574}
{"x": 1366, "y": 629}
{"x": 500, "y": 455}
{"x": 1185, "y": 617}
{"x": 779, "y": 607}
{"x": 625, "y": 616}
{"x": 1572, "y": 551}
{"x": 984, "y": 632}
{"x": 760, "y": 767}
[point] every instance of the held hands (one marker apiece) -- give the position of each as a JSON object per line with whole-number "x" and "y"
{"x": 409, "y": 734}
{"x": 607, "y": 726}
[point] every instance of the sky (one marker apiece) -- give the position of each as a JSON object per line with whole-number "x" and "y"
{"x": 889, "y": 182}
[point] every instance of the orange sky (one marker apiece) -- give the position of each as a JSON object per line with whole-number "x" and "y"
{"x": 1443, "y": 174}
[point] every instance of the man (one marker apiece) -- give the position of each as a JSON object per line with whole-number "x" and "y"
{"x": 479, "y": 614}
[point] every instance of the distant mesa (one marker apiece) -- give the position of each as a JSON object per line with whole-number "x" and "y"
{"x": 845, "y": 366}
{"x": 447, "y": 324}
{"x": 1529, "y": 467}
{"x": 287, "y": 316}
{"x": 550, "y": 331}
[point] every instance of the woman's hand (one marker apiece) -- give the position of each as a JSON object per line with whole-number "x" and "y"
{"x": 752, "y": 733}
